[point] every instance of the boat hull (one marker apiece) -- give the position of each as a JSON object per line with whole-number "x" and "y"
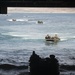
{"x": 52, "y": 40}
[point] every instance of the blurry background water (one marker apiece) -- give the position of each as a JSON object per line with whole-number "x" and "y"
{"x": 20, "y": 37}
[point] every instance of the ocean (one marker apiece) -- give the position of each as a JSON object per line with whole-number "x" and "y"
{"x": 20, "y": 37}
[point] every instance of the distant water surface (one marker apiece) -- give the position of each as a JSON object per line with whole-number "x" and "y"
{"x": 20, "y": 37}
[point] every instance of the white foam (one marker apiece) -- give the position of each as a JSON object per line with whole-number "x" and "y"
{"x": 63, "y": 39}
{"x": 17, "y": 19}
{"x": 25, "y": 35}
{"x": 67, "y": 38}
{"x": 33, "y": 35}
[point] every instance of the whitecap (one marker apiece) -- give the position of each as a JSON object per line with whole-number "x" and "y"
{"x": 19, "y": 20}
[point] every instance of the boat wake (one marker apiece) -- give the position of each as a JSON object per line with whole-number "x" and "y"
{"x": 67, "y": 38}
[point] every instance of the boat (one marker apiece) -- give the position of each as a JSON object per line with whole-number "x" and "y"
{"x": 13, "y": 19}
{"x": 52, "y": 39}
{"x": 40, "y": 22}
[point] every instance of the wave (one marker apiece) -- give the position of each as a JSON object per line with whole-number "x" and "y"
{"x": 23, "y": 36}
{"x": 4, "y": 36}
{"x": 19, "y": 20}
{"x": 14, "y": 19}
{"x": 27, "y": 20}
{"x": 32, "y": 36}
{"x": 67, "y": 67}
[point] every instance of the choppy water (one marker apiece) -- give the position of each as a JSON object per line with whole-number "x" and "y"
{"x": 19, "y": 38}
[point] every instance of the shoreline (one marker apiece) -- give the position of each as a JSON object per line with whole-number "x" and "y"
{"x": 40, "y": 10}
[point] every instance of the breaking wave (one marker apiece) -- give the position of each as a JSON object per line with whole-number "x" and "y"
{"x": 31, "y": 36}
{"x": 19, "y": 20}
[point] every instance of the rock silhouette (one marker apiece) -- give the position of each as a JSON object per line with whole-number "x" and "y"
{"x": 43, "y": 66}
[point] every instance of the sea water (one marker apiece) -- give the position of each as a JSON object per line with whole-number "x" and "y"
{"x": 20, "y": 37}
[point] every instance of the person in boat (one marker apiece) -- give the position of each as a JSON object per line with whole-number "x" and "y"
{"x": 13, "y": 19}
{"x": 48, "y": 36}
{"x": 40, "y": 21}
{"x": 56, "y": 37}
